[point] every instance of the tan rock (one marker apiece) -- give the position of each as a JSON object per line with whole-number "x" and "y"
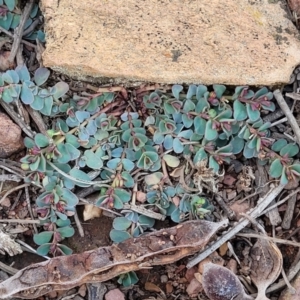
{"x": 194, "y": 288}
{"x": 209, "y": 41}
{"x": 11, "y": 140}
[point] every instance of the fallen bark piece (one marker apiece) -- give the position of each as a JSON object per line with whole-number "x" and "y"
{"x": 65, "y": 272}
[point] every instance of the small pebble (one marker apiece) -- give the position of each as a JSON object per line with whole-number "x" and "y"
{"x": 115, "y": 294}
{"x": 194, "y": 288}
{"x": 163, "y": 278}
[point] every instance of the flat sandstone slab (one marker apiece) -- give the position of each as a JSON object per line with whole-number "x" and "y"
{"x": 172, "y": 41}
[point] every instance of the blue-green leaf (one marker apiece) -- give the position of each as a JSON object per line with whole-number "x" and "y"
{"x": 210, "y": 133}
{"x": 276, "y": 168}
{"x": 10, "y": 4}
{"x": 121, "y": 223}
{"x": 43, "y": 237}
{"x": 278, "y": 145}
{"x": 41, "y": 140}
{"x": 118, "y": 236}
{"x": 43, "y": 249}
{"x": 60, "y": 89}
{"x": 26, "y": 94}
{"x": 253, "y": 114}
{"x": 177, "y": 146}
{"x": 41, "y": 75}
{"x": 240, "y": 111}
{"x": 290, "y": 150}
{"x": 176, "y": 89}
{"x": 47, "y": 108}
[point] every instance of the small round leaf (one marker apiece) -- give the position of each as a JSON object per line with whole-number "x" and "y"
{"x": 41, "y": 75}
{"x": 171, "y": 161}
{"x": 121, "y": 223}
{"x": 43, "y": 237}
{"x": 119, "y": 236}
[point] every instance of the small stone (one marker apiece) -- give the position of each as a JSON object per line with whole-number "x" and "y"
{"x": 198, "y": 276}
{"x": 223, "y": 249}
{"x": 91, "y": 211}
{"x": 231, "y": 194}
{"x": 115, "y": 294}
{"x": 141, "y": 196}
{"x": 52, "y": 295}
{"x": 169, "y": 288}
{"x": 163, "y": 278}
{"x": 82, "y": 290}
{"x": 5, "y": 202}
{"x": 189, "y": 274}
{"x": 232, "y": 265}
{"x": 194, "y": 288}
{"x": 11, "y": 140}
{"x": 182, "y": 280}
{"x": 176, "y": 201}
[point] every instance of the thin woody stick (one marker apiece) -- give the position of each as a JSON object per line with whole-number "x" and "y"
{"x": 291, "y": 119}
{"x": 260, "y": 207}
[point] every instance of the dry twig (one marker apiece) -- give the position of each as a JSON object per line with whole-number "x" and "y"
{"x": 19, "y": 31}
{"x": 13, "y": 190}
{"x": 291, "y": 119}
{"x": 260, "y": 207}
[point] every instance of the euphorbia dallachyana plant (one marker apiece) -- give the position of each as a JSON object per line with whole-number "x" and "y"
{"x": 128, "y": 153}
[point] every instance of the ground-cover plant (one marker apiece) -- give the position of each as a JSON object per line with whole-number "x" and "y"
{"x": 10, "y": 16}
{"x": 165, "y": 149}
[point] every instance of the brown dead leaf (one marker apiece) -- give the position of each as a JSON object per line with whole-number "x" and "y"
{"x": 91, "y": 211}
{"x": 151, "y": 287}
{"x": 266, "y": 265}
{"x": 189, "y": 274}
